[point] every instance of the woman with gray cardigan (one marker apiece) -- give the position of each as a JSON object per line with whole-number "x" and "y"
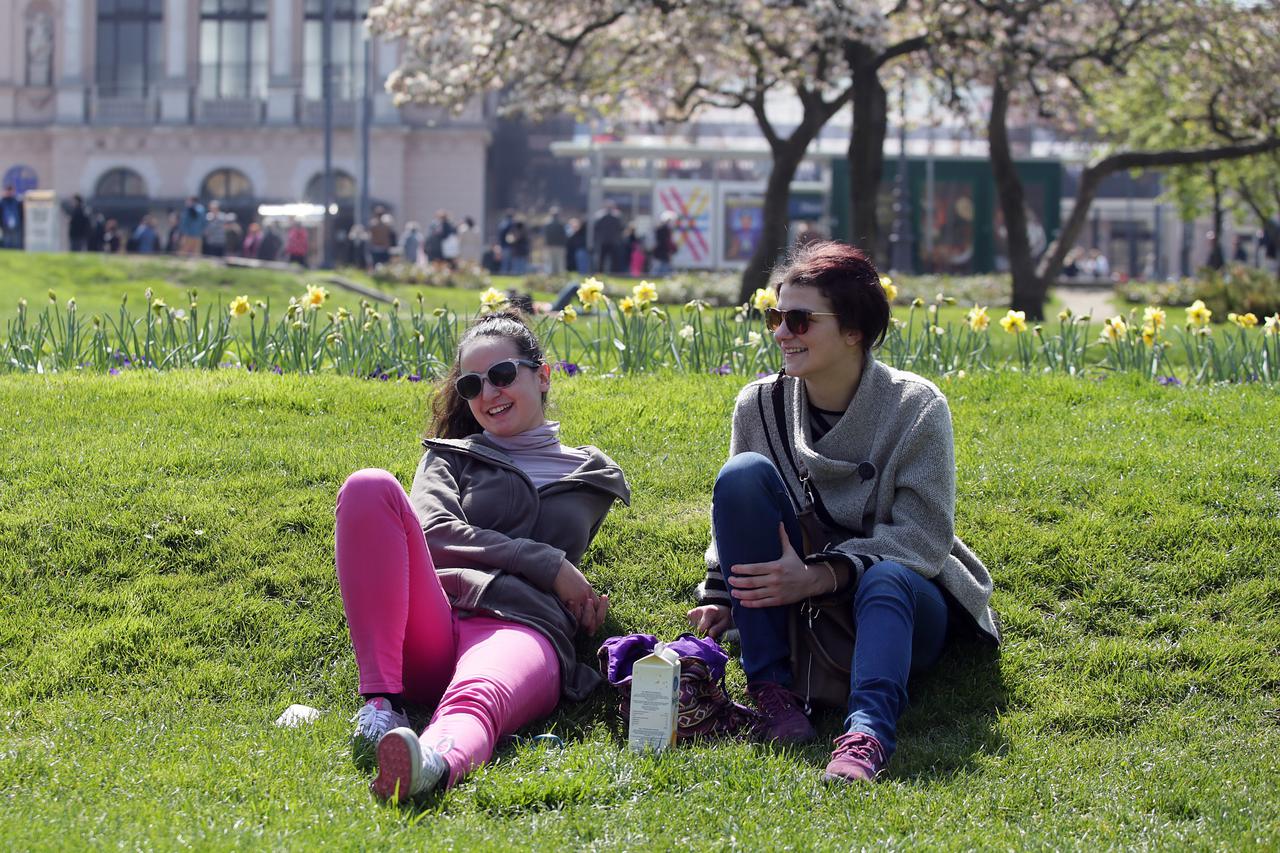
{"x": 464, "y": 596}
{"x": 867, "y": 450}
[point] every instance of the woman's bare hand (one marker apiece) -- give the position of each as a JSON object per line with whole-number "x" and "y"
{"x": 580, "y": 599}
{"x": 711, "y": 620}
{"x": 785, "y": 580}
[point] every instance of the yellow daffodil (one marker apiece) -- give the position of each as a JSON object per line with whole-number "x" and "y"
{"x": 491, "y": 300}
{"x": 937, "y": 330}
{"x": 645, "y": 294}
{"x": 1148, "y": 334}
{"x": 763, "y": 298}
{"x": 1244, "y": 321}
{"x": 1272, "y": 324}
{"x": 315, "y": 296}
{"x": 1113, "y": 328}
{"x": 698, "y": 305}
{"x": 569, "y": 314}
{"x": 53, "y": 297}
{"x": 590, "y": 292}
{"x": 977, "y": 318}
{"x": 1154, "y": 317}
{"x": 239, "y": 306}
{"x": 917, "y": 302}
{"x": 628, "y": 306}
{"x": 1197, "y": 314}
{"x": 753, "y": 339}
{"x": 890, "y": 289}
{"x": 1065, "y": 314}
{"x": 1014, "y": 322}
{"x": 343, "y": 314}
{"x": 158, "y": 306}
{"x": 687, "y": 332}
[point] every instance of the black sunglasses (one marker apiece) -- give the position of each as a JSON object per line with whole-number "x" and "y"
{"x": 500, "y": 375}
{"x": 797, "y": 318}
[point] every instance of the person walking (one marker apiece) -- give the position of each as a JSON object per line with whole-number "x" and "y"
{"x": 296, "y": 244}
{"x": 10, "y": 219}
{"x": 215, "y": 231}
{"x": 606, "y": 238}
{"x": 191, "y": 227}
{"x": 78, "y": 225}
{"x": 578, "y": 259}
{"x": 554, "y": 241}
{"x": 664, "y": 244}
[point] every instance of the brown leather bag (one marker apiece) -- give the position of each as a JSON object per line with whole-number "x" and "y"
{"x": 821, "y": 633}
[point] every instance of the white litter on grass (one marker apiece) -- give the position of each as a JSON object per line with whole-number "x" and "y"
{"x": 297, "y": 715}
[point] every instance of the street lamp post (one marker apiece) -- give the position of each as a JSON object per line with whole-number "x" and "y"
{"x": 902, "y": 237}
{"x": 326, "y": 78}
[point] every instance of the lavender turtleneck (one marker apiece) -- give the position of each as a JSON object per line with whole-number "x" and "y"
{"x": 539, "y": 453}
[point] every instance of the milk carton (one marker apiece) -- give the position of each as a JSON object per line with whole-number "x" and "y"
{"x": 655, "y": 696}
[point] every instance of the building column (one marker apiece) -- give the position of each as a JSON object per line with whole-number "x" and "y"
{"x": 71, "y": 71}
{"x": 284, "y": 23}
{"x": 176, "y": 88}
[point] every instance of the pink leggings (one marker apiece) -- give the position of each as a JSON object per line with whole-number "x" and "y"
{"x": 488, "y": 677}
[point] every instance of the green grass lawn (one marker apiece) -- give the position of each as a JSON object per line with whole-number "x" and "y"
{"x": 98, "y": 282}
{"x": 167, "y": 588}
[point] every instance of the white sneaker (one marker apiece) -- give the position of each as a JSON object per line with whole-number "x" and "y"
{"x": 405, "y": 769}
{"x": 374, "y": 720}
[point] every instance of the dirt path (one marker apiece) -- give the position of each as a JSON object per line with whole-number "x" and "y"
{"x": 1094, "y": 301}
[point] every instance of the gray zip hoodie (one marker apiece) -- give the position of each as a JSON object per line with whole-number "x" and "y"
{"x": 497, "y": 542}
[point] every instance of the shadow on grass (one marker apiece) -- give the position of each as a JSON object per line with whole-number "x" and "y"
{"x": 951, "y": 721}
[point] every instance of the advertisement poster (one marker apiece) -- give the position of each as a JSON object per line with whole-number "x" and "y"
{"x": 691, "y": 202}
{"x": 743, "y": 220}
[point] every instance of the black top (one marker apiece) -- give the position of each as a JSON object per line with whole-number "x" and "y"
{"x": 822, "y": 420}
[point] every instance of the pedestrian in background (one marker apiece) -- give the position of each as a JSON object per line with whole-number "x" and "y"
{"x": 554, "y": 241}
{"x": 79, "y": 225}
{"x": 191, "y": 226}
{"x": 10, "y": 219}
{"x": 296, "y": 244}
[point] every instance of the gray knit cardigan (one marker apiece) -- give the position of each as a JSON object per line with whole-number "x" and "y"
{"x": 885, "y": 473}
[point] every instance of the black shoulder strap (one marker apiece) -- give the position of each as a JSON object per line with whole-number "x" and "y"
{"x": 782, "y": 432}
{"x": 785, "y": 435}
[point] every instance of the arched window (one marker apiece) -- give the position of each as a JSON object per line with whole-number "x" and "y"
{"x": 344, "y": 187}
{"x": 121, "y": 183}
{"x": 226, "y": 184}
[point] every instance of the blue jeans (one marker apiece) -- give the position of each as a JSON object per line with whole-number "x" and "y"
{"x": 901, "y": 616}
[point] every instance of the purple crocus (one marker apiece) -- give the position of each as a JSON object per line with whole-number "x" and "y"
{"x": 413, "y": 377}
{"x": 277, "y": 370}
{"x": 115, "y": 371}
{"x": 1169, "y": 380}
{"x": 722, "y": 370}
{"x": 568, "y": 368}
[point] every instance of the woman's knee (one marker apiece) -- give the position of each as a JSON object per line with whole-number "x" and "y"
{"x": 368, "y": 484}
{"x": 885, "y": 577}
{"x": 744, "y": 473}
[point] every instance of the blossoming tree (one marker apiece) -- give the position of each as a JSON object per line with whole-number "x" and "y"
{"x": 674, "y": 56}
{"x": 1160, "y": 84}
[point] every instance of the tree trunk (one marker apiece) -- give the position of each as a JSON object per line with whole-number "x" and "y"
{"x": 1029, "y": 289}
{"x": 1217, "y": 259}
{"x": 787, "y": 154}
{"x": 866, "y": 149}
{"x": 1091, "y": 179}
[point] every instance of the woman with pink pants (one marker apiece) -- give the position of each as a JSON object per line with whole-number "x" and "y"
{"x": 465, "y": 594}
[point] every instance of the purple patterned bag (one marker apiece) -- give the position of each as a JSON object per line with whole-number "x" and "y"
{"x": 705, "y": 708}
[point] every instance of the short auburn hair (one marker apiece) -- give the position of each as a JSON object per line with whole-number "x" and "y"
{"x": 848, "y": 279}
